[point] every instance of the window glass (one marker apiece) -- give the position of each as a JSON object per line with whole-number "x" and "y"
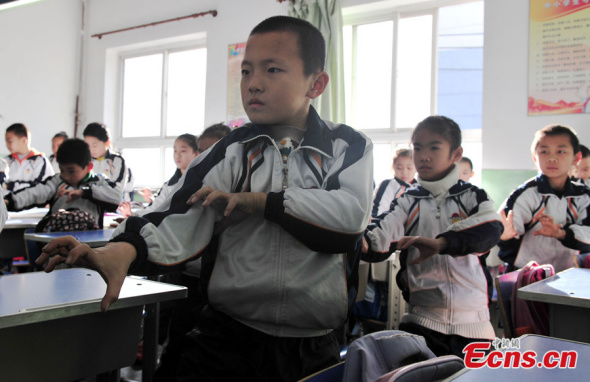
{"x": 142, "y": 96}
{"x": 186, "y": 92}
{"x": 146, "y": 166}
{"x": 414, "y": 71}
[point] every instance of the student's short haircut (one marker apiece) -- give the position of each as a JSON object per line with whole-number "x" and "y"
{"x": 401, "y": 153}
{"x": 468, "y": 161}
{"x": 61, "y": 134}
{"x": 98, "y": 131}
{"x": 444, "y": 126}
{"x": 585, "y": 151}
{"x": 19, "y": 130}
{"x": 312, "y": 46}
{"x": 190, "y": 140}
{"x": 219, "y": 130}
{"x": 554, "y": 130}
{"x": 74, "y": 151}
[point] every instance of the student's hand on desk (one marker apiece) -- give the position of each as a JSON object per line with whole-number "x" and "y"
{"x": 426, "y": 246}
{"x": 111, "y": 262}
{"x": 549, "y": 227}
{"x": 509, "y": 231}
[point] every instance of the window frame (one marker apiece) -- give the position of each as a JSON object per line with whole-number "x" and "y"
{"x": 162, "y": 141}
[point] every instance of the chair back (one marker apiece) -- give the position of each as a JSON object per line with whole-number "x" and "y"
{"x": 504, "y": 286}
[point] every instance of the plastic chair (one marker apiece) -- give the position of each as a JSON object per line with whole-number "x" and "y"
{"x": 504, "y": 286}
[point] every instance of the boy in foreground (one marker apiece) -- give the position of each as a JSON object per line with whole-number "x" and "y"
{"x": 282, "y": 204}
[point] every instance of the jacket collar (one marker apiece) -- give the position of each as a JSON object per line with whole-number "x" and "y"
{"x": 571, "y": 188}
{"x": 316, "y": 137}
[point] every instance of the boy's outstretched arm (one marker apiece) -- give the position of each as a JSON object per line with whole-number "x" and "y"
{"x": 111, "y": 262}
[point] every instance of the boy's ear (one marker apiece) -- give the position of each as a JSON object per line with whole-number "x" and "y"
{"x": 108, "y": 143}
{"x": 319, "y": 85}
{"x": 577, "y": 158}
{"x": 89, "y": 166}
{"x": 458, "y": 154}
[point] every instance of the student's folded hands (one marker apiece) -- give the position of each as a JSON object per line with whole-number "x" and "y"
{"x": 426, "y": 246}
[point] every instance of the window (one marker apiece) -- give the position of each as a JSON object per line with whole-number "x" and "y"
{"x": 162, "y": 96}
{"x": 403, "y": 64}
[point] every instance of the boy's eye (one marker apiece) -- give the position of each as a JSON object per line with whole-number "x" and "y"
{"x": 274, "y": 70}
{"x": 245, "y": 72}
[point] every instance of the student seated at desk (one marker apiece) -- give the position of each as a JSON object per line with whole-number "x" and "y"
{"x": 281, "y": 203}
{"x": 441, "y": 225}
{"x": 75, "y": 187}
{"x": 404, "y": 173}
{"x": 26, "y": 166}
{"x": 104, "y": 161}
{"x": 547, "y": 218}
{"x": 56, "y": 141}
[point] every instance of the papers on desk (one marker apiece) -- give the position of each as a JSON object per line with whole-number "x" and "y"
{"x": 31, "y": 213}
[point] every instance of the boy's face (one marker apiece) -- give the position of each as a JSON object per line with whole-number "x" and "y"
{"x": 55, "y": 143}
{"x": 432, "y": 155}
{"x": 16, "y": 144}
{"x": 582, "y": 170}
{"x": 554, "y": 155}
{"x": 98, "y": 148}
{"x": 72, "y": 173}
{"x": 274, "y": 88}
{"x": 465, "y": 172}
{"x": 404, "y": 168}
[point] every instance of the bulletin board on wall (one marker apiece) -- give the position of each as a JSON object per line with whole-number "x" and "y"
{"x": 559, "y": 57}
{"x": 236, "y": 116}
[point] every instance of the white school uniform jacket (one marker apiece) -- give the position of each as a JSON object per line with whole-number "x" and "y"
{"x": 289, "y": 271}
{"x": 447, "y": 292}
{"x": 162, "y": 194}
{"x": 572, "y": 210}
{"x": 99, "y": 195}
{"x": 54, "y": 164}
{"x": 113, "y": 166}
{"x": 3, "y": 215}
{"x": 32, "y": 169}
{"x": 388, "y": 190}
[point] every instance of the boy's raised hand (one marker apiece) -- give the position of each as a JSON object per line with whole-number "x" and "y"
{"x": 111, "y": 262}
{"x": 549, "y": 227}
{"x": 427, "y": 247}
{"x": 507, "y": 221}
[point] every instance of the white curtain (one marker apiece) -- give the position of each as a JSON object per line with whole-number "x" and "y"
{"x": 326, "y": 15}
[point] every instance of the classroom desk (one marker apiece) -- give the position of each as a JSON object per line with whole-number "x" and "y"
{"x": 94, "y": 238}
{"x": 52, "y": 329}
{"x": 541, "y": 345}
{"x": 568, "y": 297}
{"x": 11, "y": 237}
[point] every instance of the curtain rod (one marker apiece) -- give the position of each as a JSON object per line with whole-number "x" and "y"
{"x": 213, "y": 13}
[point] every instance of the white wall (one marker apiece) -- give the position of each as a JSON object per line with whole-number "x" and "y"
{"x": 38, "y": 68}
{"x": 507, "y": 129}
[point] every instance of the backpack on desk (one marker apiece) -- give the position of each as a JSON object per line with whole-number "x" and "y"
{"x": 71, "y": 219}
{"x": 530, "y": 317}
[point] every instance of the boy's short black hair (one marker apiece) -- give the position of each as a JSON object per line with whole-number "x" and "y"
{"x": 444, "y": 126}
{"x": 190, "y": 140}
{"x": 219, "y": 130}
{"x": 312, "y": 46}
{"x": 468, "y": 161}
{"x": 585, "y": 151}
{"x": 98, "y": 131}
{"x": 19, "y": 129}
{"x": 61, "y": 134}
{"x": 554, "y": 130}
{"x": 74, "y": 151}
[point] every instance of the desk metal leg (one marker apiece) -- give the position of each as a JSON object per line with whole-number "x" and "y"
{"x": 150, "y": 341}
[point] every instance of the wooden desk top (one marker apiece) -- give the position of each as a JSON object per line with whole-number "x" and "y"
{"x": 569, "y": 287}
{"x": 38, "y": 296}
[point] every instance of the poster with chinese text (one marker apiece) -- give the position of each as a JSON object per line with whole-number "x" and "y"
{"x": 559, "y": 57}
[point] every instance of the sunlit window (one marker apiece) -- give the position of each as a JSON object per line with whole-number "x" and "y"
{"x": 163, "y": 96}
